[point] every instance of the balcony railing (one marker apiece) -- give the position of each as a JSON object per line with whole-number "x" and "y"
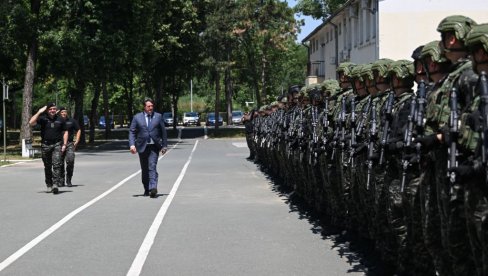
{"x": 316, "y": 68}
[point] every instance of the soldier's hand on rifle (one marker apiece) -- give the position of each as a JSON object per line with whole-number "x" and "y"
{"x": 428, "y": 141}
{"x": 473, "y": 120}
{"x": 395, "y": 146}
{"x": 462, "y": 170}
{"x": 445, "y": 135}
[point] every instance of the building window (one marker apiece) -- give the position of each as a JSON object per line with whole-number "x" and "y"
{"x": 340, "y": 27}
{"x": 349, "y": 37}
{"x": 327, "y": 37}
{"x": 317, "y": 45}
{"x": 331, "y": 34}
{"x": 357, "y": 30}
{"x": 361, "y": 19}
{"x": 372, "y": 6}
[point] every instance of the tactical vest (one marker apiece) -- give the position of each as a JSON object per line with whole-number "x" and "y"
{"x": 437, "y": 110}
{"x": 400, "y": 101}
{"x": 468, "y": 137}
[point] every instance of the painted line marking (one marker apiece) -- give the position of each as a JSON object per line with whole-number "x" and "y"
{"x": 240, "y": 144}
{"x": 19, "y": 253}
{"x": 140, "y": 259}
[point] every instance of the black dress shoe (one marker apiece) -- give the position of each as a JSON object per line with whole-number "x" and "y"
{"x": 153, "y": 193}
{"x": 146, "y": 193}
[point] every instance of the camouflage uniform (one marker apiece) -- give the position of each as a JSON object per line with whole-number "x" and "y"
{"x": 401, "y": 74}
{"x": 451, "y": 210}
{"x": 475, "y": 173}
{"x": 336, "y": 176}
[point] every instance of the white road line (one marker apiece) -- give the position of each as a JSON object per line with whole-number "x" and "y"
{"x": 60, "y": 223}
{"x": 19, "y": 253}
{"x": 140, "y": 259}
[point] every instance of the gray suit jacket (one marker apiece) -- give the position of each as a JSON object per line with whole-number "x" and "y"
{"x": 139, "y": 131}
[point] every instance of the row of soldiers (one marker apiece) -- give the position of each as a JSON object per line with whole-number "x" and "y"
{"x": 406, "y": 169}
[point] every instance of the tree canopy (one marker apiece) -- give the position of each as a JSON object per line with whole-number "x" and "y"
{"x": 102, "y": 57}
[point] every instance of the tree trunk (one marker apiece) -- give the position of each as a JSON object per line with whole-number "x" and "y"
{"x": 174, "y": 101}
{"x": 130, "y": 97}
{"x": 78, "y": 115}
{"x": 30, "y": 67}
{"x": 228, "y": 95}
{"x": 106, "y": 111}
{"x": 217, "y": 99}
{"x": 93, "y": 112}
{"x": 263, "y": 78}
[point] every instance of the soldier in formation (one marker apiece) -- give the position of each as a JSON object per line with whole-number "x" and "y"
{"x": 394, "y": 151}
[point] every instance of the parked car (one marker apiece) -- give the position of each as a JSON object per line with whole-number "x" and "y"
{"x": 211, "y": 120}
{"x": 102, "y": 123}
{"x": 237, "y": 117}
{"x": 168, "y": 118}
{"x": 191, "y": 118}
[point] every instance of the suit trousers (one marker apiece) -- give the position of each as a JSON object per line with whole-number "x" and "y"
{"x": 149, "y": 162}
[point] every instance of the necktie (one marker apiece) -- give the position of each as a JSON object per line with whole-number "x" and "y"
{"x": 149, "y": 117}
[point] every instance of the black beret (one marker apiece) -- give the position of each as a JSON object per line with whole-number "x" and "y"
{"x": 50, "y": 104}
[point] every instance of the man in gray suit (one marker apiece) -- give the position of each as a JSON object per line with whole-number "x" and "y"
{"x": 147, "y": 136}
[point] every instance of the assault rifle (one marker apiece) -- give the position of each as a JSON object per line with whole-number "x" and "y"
{"x": 352, "y": 141}
{"x": 483, "y": 83}
{"x": 315, "y": 138}
{"x": 407, "y": 142}
{"x": 419, "y": 120}
{"x": 301, "y": 133}
{"x": 453, "y": 132}
{"x": 290, "y": 131}
{"x": 364, "y": 115}
{"x": 373, "y": 135}
{"x": 386, "y": 126}
{"x": 421, "y": 101}
{"x": 343, "y": 127}
{"x": 325, "y": 123}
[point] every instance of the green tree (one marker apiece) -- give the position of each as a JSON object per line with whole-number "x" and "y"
{"x": 266, "y": 30}
{"x": 319, "y": 9}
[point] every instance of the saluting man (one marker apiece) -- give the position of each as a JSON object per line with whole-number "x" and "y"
{"x": 54, "y": 139}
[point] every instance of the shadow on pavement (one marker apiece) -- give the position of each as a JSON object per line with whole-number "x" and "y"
{"x": 358, "y": 251}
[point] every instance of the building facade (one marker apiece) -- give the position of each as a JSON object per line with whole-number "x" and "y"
{"x": 363, "y": 31}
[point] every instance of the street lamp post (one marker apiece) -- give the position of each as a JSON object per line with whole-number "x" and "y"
{"x": 5, "y": 98}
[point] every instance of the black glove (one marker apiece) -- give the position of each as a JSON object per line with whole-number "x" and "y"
{"x": 446, "y": 135}
{"x": 473, "y": 120}
{"x": 462, "y": 171}
{"x": 395, "y": 146}
{"x": 428, "y": 141}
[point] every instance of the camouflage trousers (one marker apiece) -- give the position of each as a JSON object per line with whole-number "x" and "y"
{"x": 250, "y": 144}
{"x": 69, "y": 159}
{"x": 431, "y": 218}
{"x": 476, "y": 207}
{"x": 414, "y": 259}
{"x": 454, "y": 236}
{"x": 53, "y": 164}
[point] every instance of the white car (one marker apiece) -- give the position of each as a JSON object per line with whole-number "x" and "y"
{"x": 237, "y": 117}
{"x": 191, "y": 118}
{"x": 168, "y": 119}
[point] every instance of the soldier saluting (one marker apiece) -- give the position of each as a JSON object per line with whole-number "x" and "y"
{"x": 54, "y": 139}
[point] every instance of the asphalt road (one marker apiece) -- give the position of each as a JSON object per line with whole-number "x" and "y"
{"x": 216, "y": 214}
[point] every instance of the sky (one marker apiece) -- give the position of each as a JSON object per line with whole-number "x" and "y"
{"x": 310, "y": 23}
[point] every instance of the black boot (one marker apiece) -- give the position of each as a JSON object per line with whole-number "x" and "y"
{"x": 68, "y": 182}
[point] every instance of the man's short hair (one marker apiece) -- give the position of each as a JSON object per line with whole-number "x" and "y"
{"x": 147, "y": 100}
